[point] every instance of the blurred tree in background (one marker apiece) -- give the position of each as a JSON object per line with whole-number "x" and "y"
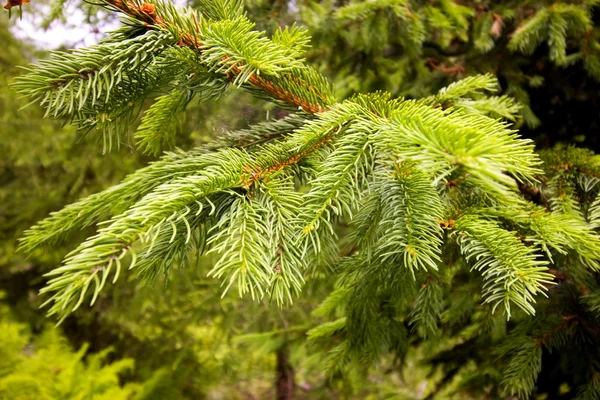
{"x": 545, "y": 54}
{"x": 186, "y": 342}
{"x": 47, "y": 368}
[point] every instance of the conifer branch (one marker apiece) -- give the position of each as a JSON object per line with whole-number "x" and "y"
{"x": 560, "y": 232}
{"x": 239, "y": 236}
{"x": 70, "y": 82}
{"x": 427, "y": 310}
{"x": 172, "y": 243}
{"x": 173, "y": 165}
{"x": 221, "y": 40}
{"x": 523, "y": 369}
{"x": 512, "y": 272}
{"x": 409, "y": 231}
{"x": 370, "y": 157}
{"x": 432, "y": 195}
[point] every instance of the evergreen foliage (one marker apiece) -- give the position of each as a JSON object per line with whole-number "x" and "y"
{"x": 456, "y": 225}
{"x": 49, "y": 369}
{"x": 544, "y": 53}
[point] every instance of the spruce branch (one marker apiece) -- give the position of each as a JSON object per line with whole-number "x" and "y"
{"x": 71, "y": 81}
{"x": 427, "y": 310}
{"x": 240, "y": 235}
{"x": 115, "y": 240}
{"x": 104, "y": 86}
{"x": 442, "y": 141}
{"x": 173, "y": 242}
{"x": 553, "y": 24}
{"x": 594, "y": 213}
{"x": 558, "y": 231}
{"x": 409, "y": 230}
{"x": 327, "y": 330}
{"x": 282, "y": 204}
{"x": 471, "y": 86}
{"x": 512, "y": 272}
{"x": 233, "y": 49}
{"x": 494, "y": 106}
{"x": 371, "y": 156}
{"x": 431, "y": 190}
{"x": 337, "y": 188}
{"x": 523, "y": 369}
{"x": 173, "y": 165}
{"x": 218, "y": 10}
{"x": 159, "y": 124}
{"x": 224, "y": 170}
{"x": 231, "y": 169}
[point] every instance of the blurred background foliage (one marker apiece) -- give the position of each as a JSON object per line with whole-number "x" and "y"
{"x": 177, "y": 338}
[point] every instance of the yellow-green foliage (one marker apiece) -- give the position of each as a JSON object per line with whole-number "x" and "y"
{"x": 47, "y": 368}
